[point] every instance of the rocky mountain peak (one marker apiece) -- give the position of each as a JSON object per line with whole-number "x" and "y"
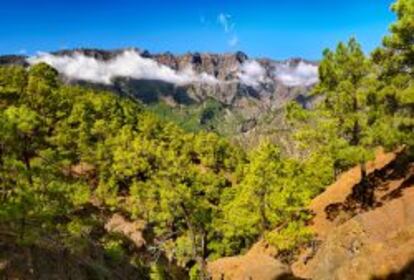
{"x": 248, "y": 87}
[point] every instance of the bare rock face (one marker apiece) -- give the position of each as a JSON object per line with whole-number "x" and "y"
{"x": 269, "y": 91}
{"x": 13, "y": 60}
{"x": 338, "y": 192}
{"x": 374, "y": 244}
{"x": 365, "y": 242}
{"x": 258, "y": 264}
{"x": 248, "y": 88}
{"x": 103, "y": 55}
{"x": 357, "y": 242}
{"x": 131, "y": 230}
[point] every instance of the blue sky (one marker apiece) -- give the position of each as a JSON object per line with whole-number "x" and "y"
{"x": 272, "y": 28}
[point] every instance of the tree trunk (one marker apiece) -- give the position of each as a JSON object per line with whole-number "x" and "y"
{"x": 363, "y": 170}
{"x": 356, "y": 130}
{"x": 262, "y": 211}
{"x": 356, "y": 134}
{"x": 199, "y": 258}
{"x": 202, "y": 258}
{"x": 2, "y": 181}
{"x": 367, "y": 192}
{"x": 26, "y": 161}
{"x": 203, "y": 268}
{"x": 22, "y": 227}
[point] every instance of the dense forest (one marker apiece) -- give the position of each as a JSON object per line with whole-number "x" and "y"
{"x": 73, "y": 156}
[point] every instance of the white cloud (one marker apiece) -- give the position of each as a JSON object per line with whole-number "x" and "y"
{"x": 130, "y": 64}
{"x": 251, "y": 73}
{"x": 127, "y": 64}
{"x": 304, "y": 74}
{"x": 225, "y": 22}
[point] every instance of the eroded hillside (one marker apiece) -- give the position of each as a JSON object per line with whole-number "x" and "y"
{"x": 354, "y": 241}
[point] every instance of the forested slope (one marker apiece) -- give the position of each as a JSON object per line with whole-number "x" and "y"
{"x": 84, "y": 174}
{"x": 72, "y": 156}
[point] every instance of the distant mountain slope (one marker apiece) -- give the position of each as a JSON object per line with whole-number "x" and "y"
{"x": 241, "y": 89}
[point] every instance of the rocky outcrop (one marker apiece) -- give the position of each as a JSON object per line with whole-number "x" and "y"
{"x": 359, "y": 240}
{"x": 374, "y": 244}
{"x": 248, "y": 88}
{"x": 339, "y": 191}
{"x": 258, "y": 263}
{"x": 356, "y": 242}
{"x": 270, "y": 93}
{"x": 13, "y": 60}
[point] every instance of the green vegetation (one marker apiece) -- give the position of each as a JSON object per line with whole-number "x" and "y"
{"x": 70, "y": 157}
{"x": 367, "y": 101}
{"x": 70, "y": 154}
{"x": 192, "y": 118}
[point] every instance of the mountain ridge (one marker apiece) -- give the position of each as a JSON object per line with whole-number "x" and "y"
{"x": 244, "y": 89}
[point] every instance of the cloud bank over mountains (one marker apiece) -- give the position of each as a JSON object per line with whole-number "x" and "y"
{"x": 251, "y": 73}
{"x": 304, "y": 74}
{"x": 127, "y": 64}
{"x": 131, "y": 64}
